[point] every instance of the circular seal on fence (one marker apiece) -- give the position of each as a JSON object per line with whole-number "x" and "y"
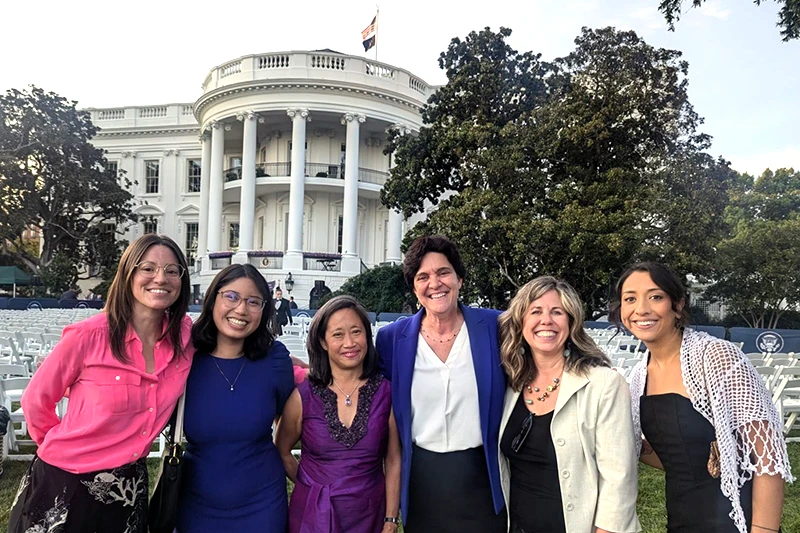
{"x": 303, "y": 314}
{"x": 265, "y": 262}
{"x": 35, "y": 305}
{"x": 769, "y": 342}
{"x": 82, "y": 305}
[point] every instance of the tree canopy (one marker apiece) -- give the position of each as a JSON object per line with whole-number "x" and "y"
{"x": 52, "y": 178}
{"x": 758, "y": 262}
{"x": 572, "y": 168}
{"x": 381, "y": 290}
{"x": 788, "y": 17}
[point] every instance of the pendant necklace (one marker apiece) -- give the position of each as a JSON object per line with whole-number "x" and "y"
{"x": 347, "y": 401}
{"x": 223, "y": 373}
{"x": 543, "y": 397}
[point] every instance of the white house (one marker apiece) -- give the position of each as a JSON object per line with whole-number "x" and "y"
{"x": 223, "y": 178}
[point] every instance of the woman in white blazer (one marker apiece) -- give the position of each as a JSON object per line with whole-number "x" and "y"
{"x": 568, "y": 459}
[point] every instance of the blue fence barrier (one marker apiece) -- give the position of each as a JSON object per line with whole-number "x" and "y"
{"x": 767, "y": 340}
{"x": 49, "y": 303}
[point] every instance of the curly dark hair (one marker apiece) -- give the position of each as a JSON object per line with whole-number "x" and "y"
{"x": 425, "y": 245}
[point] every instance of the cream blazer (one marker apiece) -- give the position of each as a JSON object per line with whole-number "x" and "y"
{"x": 592, "y": 431}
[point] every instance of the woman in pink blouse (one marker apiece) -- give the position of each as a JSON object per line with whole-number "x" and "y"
{"x": 125, "y": 369}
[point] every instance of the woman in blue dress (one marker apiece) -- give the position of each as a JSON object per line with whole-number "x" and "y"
{"x": 240, "y": 380}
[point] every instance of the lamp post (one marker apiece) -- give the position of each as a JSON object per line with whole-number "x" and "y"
{"x": 289, "y": 283}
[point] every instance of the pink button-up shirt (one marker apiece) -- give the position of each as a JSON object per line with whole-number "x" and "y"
{"x": 116, "y": 410}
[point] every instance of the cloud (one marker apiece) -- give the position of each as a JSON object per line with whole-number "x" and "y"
{"x": 711, "y": 9}
{"x": 755, "y": 164}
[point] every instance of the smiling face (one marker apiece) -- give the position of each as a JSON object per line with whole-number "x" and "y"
{"x": 546, "y": 325}
{"x": 436, "y": 284}
{"x": 345, "y": 340}
{"x": 646, "y": 309}
{"x": 237, "y": 322}
{"x": 160, "y": 292}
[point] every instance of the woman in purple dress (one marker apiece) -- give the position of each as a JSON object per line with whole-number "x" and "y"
{"x": 343, "y": 415}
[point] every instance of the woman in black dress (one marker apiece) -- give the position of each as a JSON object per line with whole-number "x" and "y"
{"x": 707, "y": 418}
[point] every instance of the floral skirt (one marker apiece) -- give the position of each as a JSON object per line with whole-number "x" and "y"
{"x": 51, "y": 500}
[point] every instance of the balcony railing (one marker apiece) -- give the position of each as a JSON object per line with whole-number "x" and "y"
{"x": 318, "y": 66}
{"x": 313, "y": 170}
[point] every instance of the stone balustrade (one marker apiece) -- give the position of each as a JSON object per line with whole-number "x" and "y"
{"x": 319, "y": 67}
{"x": 129, "y": 117}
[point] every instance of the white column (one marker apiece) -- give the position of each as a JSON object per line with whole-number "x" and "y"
{"x": 247, "y": 201}
{"x": 293, "y": 258}
{"x": 394, "y": 237}
{"x": 205, "y": 183}
{"x": 214, "y": 235}
{"x": 350, "y": 261}
{"x": 394, "y": 234}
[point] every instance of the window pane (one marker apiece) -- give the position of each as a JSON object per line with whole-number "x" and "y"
{"x": 192, "y": 230}
{"x": 233, "y": 235}
{"x": 193, "y": 175}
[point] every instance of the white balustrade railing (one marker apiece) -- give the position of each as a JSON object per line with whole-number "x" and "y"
{"x": 153, "y": 112}
{"x": 328, "y": 62}
{"x": 273, "y": 61}
{"x": 234, "y": 67}
{"x": 111, "y": 114}
{"x": 378, "y": 70}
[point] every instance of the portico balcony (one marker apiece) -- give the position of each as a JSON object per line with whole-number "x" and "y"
{"x": 315, "y": 170}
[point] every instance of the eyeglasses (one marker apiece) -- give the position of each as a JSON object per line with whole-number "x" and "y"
{"x": 232, "y": 299}
{"x": 148, "y": 269}
{"x": 524, "y": 431}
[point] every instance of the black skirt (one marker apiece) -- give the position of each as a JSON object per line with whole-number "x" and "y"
{"x": 450, "y": 493}
{"x": 53, "y": 500}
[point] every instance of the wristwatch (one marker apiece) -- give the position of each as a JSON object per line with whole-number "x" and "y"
{"x": 391, "y": 519}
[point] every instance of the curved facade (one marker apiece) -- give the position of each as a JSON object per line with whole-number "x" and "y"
{"x": 243, "y": 193}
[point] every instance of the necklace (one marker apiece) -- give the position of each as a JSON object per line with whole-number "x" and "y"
{"x": 448, "y": 339}
{"x": 347, "y": 401}
{"x": 226, "y": 377}
{"x": 543, "y": 397}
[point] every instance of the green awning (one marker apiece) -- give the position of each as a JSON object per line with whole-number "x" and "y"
{"x": 11, "y": 275}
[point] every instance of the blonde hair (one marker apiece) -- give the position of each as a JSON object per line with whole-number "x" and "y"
{"x": 515, "y": 353}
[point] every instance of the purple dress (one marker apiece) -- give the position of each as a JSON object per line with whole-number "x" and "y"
{"x": 340, "y": 483}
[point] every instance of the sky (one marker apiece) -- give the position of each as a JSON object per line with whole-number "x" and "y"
{"x": 743, "y": 79}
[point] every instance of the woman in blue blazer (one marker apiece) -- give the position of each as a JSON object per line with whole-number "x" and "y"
{"x": 447, "y": 395}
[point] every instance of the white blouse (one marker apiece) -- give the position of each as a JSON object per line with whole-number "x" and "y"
{"x": 445, "y": 412}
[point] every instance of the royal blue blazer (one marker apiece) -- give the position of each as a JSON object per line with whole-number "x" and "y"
{"x": 397, "y": 350}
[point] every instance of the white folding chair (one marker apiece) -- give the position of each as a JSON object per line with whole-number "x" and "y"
{"x": 786, "y": 397}
{"x": 11, "y": 390}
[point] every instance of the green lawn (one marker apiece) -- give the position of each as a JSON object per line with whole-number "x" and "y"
{"x": 651, "y": 494}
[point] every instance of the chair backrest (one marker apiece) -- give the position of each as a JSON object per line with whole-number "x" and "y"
{"x": 788, "y": 385}
{"x": 10, "y": 370}
{"x": 12, "y": 384}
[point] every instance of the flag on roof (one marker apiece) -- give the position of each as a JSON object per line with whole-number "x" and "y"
{"x": 370, "y": 34}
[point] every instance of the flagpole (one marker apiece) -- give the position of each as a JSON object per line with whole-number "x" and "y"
{"x": 377, "y": 22}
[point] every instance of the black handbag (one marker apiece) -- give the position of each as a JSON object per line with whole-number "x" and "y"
{"x": 162, "y": 514}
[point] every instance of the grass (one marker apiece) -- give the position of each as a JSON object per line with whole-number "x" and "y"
{"x": 652, "y": 512}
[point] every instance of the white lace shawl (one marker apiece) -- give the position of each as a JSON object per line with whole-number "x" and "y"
{"x": 725, "y": 388}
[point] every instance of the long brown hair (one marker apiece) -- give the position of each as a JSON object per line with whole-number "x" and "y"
{"x": 119, "y": 304}
{"x": 515, "y": 353}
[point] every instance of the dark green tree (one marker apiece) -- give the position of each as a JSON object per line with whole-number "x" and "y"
{"x": 592, "y": 172}
{"x": 758, "y": 263}
{"x": 788, "y": 17}
{"x": 52, "y": 178}
{"x": 381, "y": 290}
